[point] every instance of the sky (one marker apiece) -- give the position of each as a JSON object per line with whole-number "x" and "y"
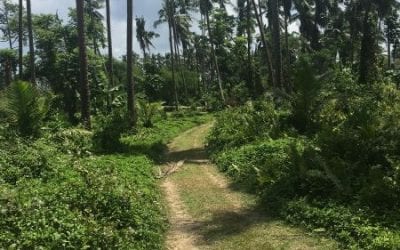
{"x": 146, "y": 8}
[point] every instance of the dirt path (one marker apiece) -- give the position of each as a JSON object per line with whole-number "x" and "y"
{"x": 206, "y": 213}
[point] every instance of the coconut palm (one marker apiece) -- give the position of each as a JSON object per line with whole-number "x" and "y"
{"x": 167, "y": 15}
{"x": 83, "y": 63}
{"x": 144, "y": 37}
{"x": 206, "y": 7}
{"x": 129, "y": 64}
{"x": 31, "y": 44}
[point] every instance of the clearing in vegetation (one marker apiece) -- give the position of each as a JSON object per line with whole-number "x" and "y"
{"x": 205, "y": 212}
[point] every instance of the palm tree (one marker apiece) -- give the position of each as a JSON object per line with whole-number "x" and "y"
{"x": 129, "y": 64}
{"x": 276, "y": 41}
{"x": 110, "y": 47}
{"x": 143, "y": 36}
{"x": 245, "y": 17}
{"x": 20, "y": 38}
{"x": 31, "y": 45}
{"x": 95, "y": 26}
{"x": 264, "y": 41}
{"x": 205, "y": 8}
{"x": 83, "y": 62}
{"x": 167, "y": 15}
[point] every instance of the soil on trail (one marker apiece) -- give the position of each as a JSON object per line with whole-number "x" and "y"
{"x": 205, "y": 212}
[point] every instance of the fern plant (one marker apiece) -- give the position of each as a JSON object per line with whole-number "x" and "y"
{"x": 24, "y": 108}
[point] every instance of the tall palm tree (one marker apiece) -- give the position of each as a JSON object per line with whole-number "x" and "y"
{"x": 144, "y": 37}
{"x": 276, "y": 41}
{"x": 167, "y": 15}
{"x": 206, "y": 7}
{"x": 110, "y": 47}
{"x": 20, "y": 38}
{"x": 129, "y": 64}
{"x": 83, "y": 63}
{"x": 264, "y": 41}
{"x": 31, "y": 45}
{"x": 95, "y": 26}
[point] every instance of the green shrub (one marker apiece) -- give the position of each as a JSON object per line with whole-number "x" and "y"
{"x": 235, "y": 127}
{"x": 106, "y": 202}
{"x": 19, "y": 160}
{"x": 356, "y": 228}
{"x": 25, "y": 108}
{"x": 108, "y": 130}
{"x": 147, "y": 111}
{"x": 77, "y": 142}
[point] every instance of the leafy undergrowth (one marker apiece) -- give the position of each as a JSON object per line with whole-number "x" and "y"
{"x": 326, "y": 160}
{"x": 55, "y": 193}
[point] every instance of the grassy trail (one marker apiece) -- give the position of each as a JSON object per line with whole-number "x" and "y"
{"x": 206, "y": 213}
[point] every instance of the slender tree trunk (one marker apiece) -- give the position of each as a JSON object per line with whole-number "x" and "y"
{"x": 178, "y": 59}
{"x": 368, "y": 49}
{"x": 265, "y": 43}
{"x": 110, "y": 49}
{"x": 20, "y": 39}
{"x": 8, "y": 72}
{"x": 31, "y": 45}
{"x": 171, "y": 45}
{"x": 249, "y": 59}
{"x": 83, "y": 60}
{"x": 215, "y": 59}
{"x": 10, "y": 43}
{"x": 129, "y": 60}
{"x": 276, "y": 42}
{"x": 389, "y": 53}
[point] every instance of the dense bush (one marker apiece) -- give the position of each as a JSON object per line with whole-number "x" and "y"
{"x": 237, "y": 126}
{"x": 103, "y": 203}
{"x": 338, "y": 142}
{"x": 20, "y": 160}
{"x": 354, "y": 227}
{"x": 24, "y": 108}
{"x": 108, "y": 130}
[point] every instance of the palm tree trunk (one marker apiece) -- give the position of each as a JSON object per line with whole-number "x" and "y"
{"x": 249, "y": 59}
{"x": 85, "y": 90}
{"x": 31, "y": 45}
{"x": 129, "y": 60}
{"x": 178, "y": 58}
{"x": 110, "y": 49}
{"x": 20, "y": 39}
{"x": 265, "y": 43}
{"x": 8, "y": 72}
{"x": 171, "y": 45}
{"x": 368, "y": 49}
{"x": 215, "y": 59}
{"x": 389, "y": 53}
{"x": 276, "y": 42}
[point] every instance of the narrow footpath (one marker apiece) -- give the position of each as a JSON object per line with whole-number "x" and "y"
{"x": 205, "y": 212}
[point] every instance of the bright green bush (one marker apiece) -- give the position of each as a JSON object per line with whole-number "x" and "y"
{"x": 258, "y": 166}
{"x": 107, "y": 202}
{"x": 108, "y": 131}
{"x": 24, "y": 108}
{"x": 356, "y": 228}
{"x": 238, "y": 126}
{"x": 19, "y": 160}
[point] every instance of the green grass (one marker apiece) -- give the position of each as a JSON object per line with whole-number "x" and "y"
{"x": 54, "y": 194}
